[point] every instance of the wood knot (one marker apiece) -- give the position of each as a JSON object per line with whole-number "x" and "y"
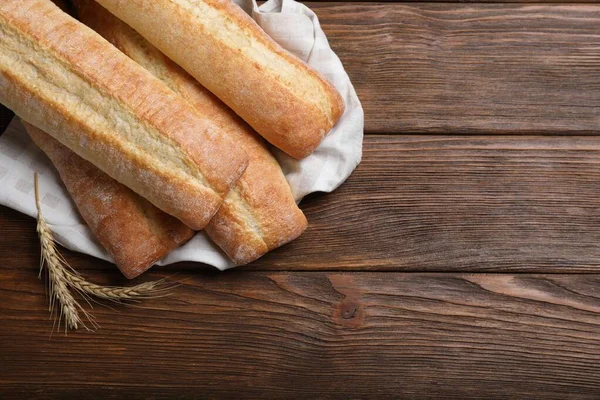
{"x": 349, "y": 314}
{"x": 348, "y": 310}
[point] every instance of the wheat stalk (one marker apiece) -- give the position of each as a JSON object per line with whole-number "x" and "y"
{"x": 61, "y": 277}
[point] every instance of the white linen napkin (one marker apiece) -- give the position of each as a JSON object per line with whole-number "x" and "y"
{"x": 297, "y": 29}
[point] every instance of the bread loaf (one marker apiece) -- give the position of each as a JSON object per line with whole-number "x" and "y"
{"x": 280, "y": 96}
{"x": 259, "y": 214}
{"x": 65, "y": 79}
{"x": 134, "y": 232}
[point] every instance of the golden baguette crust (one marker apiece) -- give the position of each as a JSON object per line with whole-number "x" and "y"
{"x": 260, "y": 213}
{"x": 67, "y": 80}
{"x": 281, "y": 97}
{"x": 134, "y": 232}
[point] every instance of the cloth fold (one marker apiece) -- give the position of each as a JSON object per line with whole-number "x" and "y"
{"x": 295, "y": 27}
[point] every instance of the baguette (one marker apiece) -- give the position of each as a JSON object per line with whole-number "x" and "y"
{"x": 134, "y": 232}
{"x": 65, "y": 79}
{"x": 260, "y": 213}
{"x": 282, "y": 98}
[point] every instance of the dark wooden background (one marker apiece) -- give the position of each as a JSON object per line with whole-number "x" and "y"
{"x": 461, "y": 260}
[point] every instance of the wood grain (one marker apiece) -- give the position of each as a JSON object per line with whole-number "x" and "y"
{"x": 314, "y": 335}
{"x": 432, "y": 203}
{"x": 470, "y": 68}
{"x": 451, "y": 203}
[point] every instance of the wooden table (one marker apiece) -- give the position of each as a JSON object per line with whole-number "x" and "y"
{"x": 461, "y": 260}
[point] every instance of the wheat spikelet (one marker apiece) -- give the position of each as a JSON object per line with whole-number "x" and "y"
{"x": 61, "y": 277}
{"x": 58, "y": 290}
{"x": 144, "y": 290}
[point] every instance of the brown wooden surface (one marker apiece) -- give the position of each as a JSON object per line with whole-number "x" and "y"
{"x": 353, "y": 309}
{"x": 471, "y": 68}
{"x": 316, "y": 335}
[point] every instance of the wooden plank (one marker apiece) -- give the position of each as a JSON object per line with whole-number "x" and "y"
{"x": 471, "y": 68}
{"x": 420, "y": 203}
{"x": 432, "y": 203}
{"x": 314, "y": 335}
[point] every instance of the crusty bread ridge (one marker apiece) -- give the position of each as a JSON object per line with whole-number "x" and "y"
{"x": 260, "y": 213}
{"x": 281, "y": 97}
{"x": 134, "y": 232}
{"x": 67, "y": 80}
